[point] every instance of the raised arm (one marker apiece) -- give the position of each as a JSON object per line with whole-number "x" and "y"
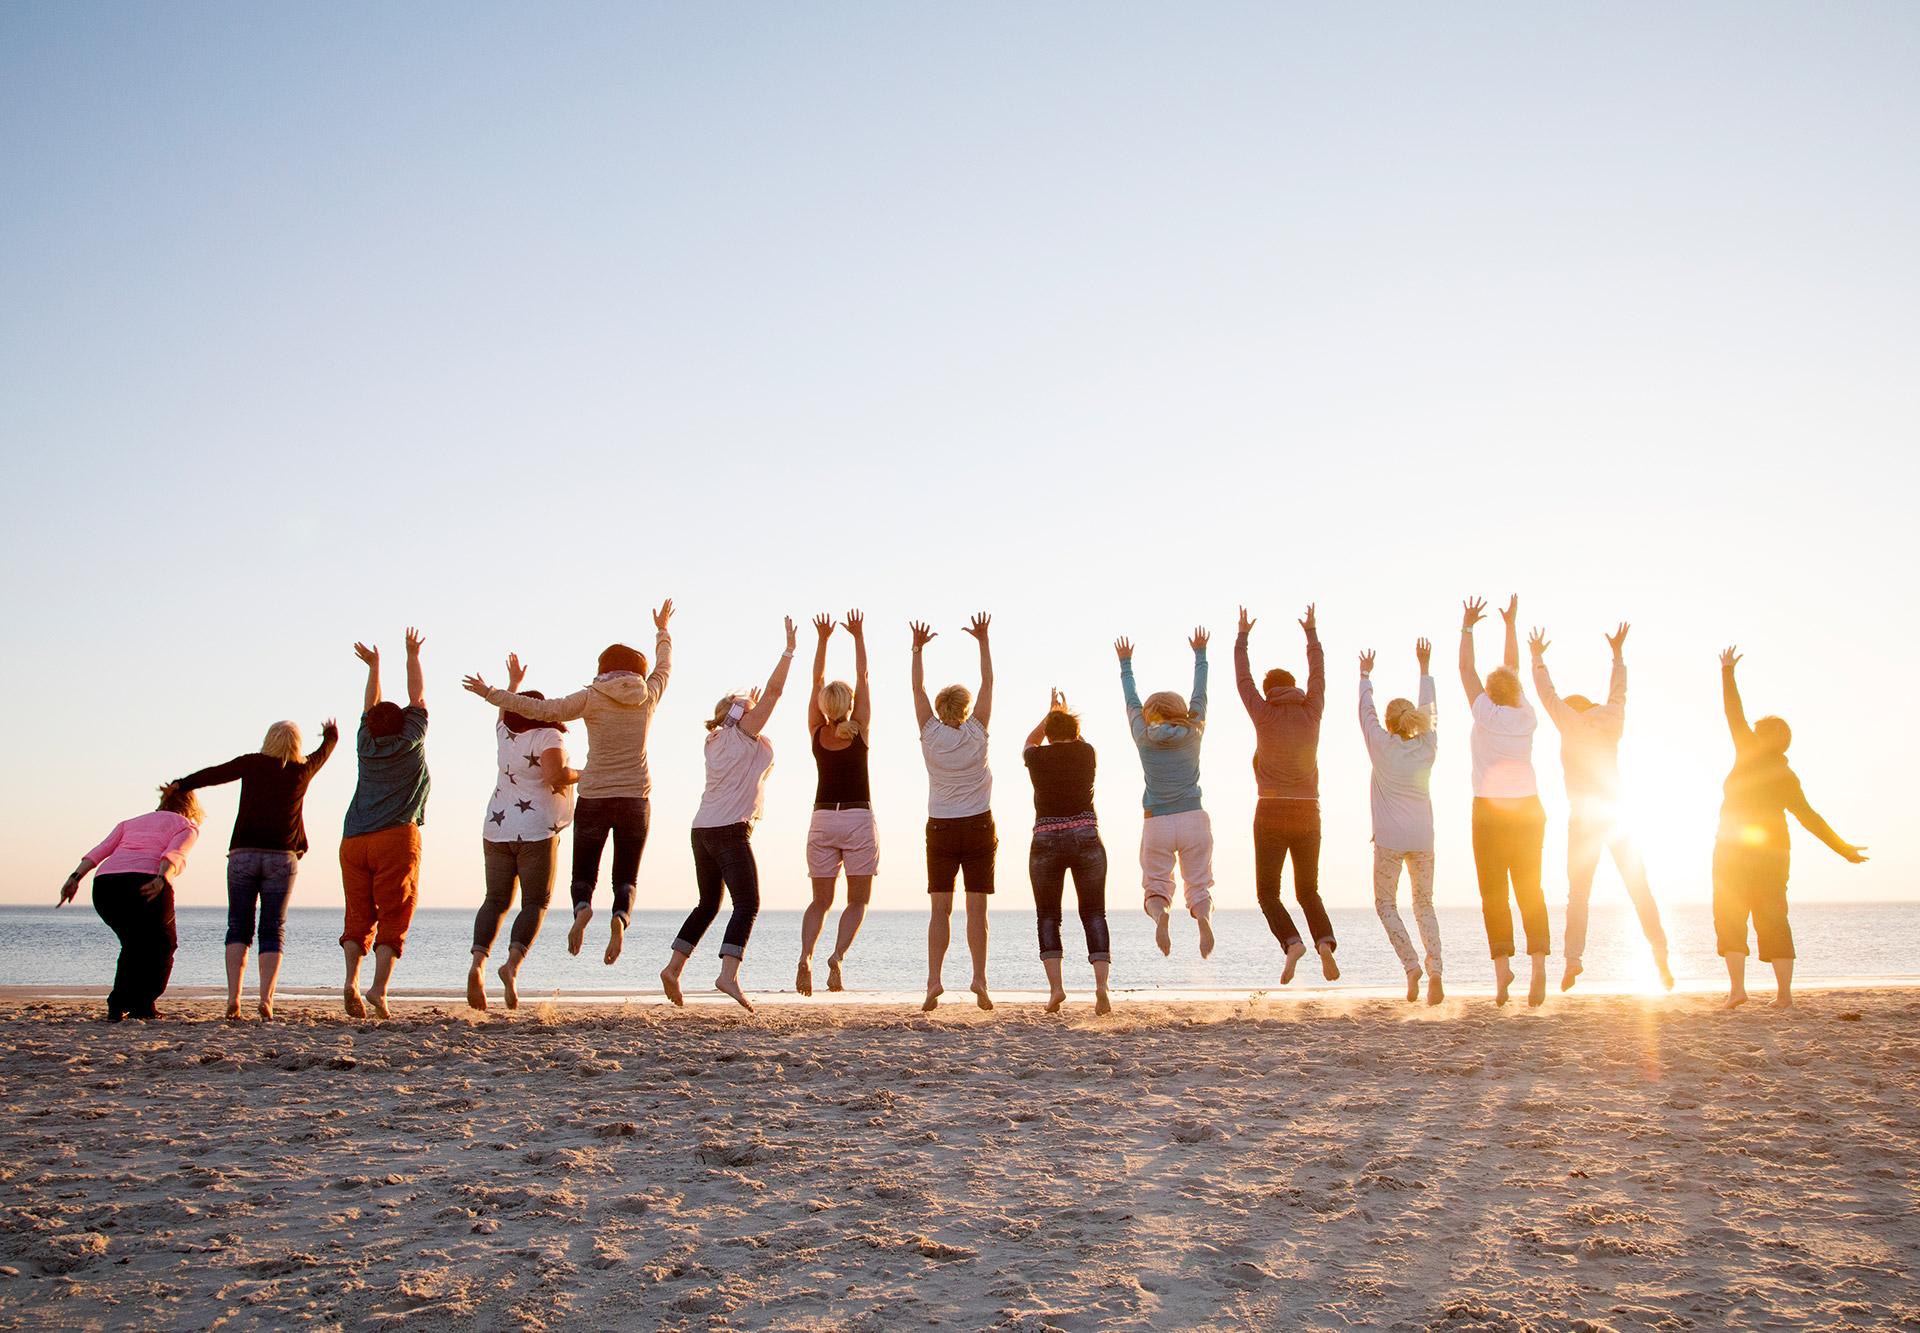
{"x": 1136, "y": 721}
{"x": 822, "y": 630}
{"x": 1243, "y": 666}
{"x": 1511, "y": 615}
{"x": 1810, "y": 820}
{"x": 416, "y": 681}
{"x": 1617, "y": 678}
{"x": 862, "y": 698}
{"x": 371, "y": 656}
{"x": 923, "y": 634}
{"x": 1370, "y": 728}
{"x": 756, "y": 716}
{"x": 1472, "y": 612}
{"x": 1730, "y": 700}
{"x": 1038, "y": 735}
{"x": 1557, "y": 708}
{"x": 214, "y": 776}
{"x": 1316, "y": 665}
{"x": 516, "y": 675}
{"x": 1197, "y": 704}
{"x": 564, "y": 709}
{"x": 329, "y": 737}
{"x": 662, "y": 651}
{"x": 1428, "y": 699}
{"x": 983, "y": 701}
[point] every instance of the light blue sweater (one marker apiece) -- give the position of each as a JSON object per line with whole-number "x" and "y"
{"x": 1169, "y": 753}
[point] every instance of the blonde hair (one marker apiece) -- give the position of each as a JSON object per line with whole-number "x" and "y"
{"x": 283, "y": 743}
{"x": 836, "y": 705}
{"x": 1167, "y": 706}
{"x": 719, "y": 718}
{"x": 953, "y": 704}
{"x": 186, "y": 804}
{"x": 1504, "y": 681}
{"x": 1406, "y": 721}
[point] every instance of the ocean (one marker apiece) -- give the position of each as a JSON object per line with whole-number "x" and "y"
{"x": 71, "y": 951}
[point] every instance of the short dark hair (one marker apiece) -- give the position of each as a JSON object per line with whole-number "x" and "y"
{"x": 619, "y": 657}
{"x": 1062, "y": 726}
{"x": 1277, "y": 679}
{"x": 516, "y": 723}
{"x": 385, "y": 719}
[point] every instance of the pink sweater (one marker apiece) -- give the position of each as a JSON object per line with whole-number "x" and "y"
{"x": 155, "y": 843}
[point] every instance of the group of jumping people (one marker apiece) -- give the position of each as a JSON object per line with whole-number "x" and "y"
{"x": 537, "y": 795}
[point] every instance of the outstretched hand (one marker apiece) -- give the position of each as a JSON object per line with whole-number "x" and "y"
{"x": 1366, "y": 663}
{"x": 1308, "y": 622}
{"x": 1246, "y": 623}
{"x": 923, "y": 634}
{"x": 1056, "y": 700}
{"x": 1513, "y": 609}
{"x": 1537, "y": 643}
{"x": 978, "y": 626}
{"x": 1123, "y": 648}
{"x": 1730, "y": 657}
{"x": 1855, "y": 854}
{"x": 823, "y": 626}
{"x": 516, "y": 672}
{"x": 1424, "y": 651}
{"x": 476, "y": 685}
{"x": 414, "y": 639}
{"x": 856, "y": 624}
{"x": 792, "y": 635}
{"x": 1472, "y": 612}
{"x": 1618, "y": 638}
{"x": 663, "y": 615}
{"x": 1200, "y": 639}
{"x": 330, "y": 730}
{"x": 371, "y": 656}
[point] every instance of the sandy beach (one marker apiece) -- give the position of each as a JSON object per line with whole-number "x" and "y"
{"x": 1614, "y": 1162}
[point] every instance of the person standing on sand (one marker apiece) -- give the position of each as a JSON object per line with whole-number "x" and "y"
{"x": 1590, "y": 756}
{"x": 1286, "y": 766}
{"x": 269, "y": 838}
{"x": 1402, "y": 753}
{"x": 1751, "y": 853}
{"x": 1066, "y": 837}
{"x": 1509, "y": 824}
{"x": 133, "y": 893}
{"x": 961, "y": 842}
{"x": 739, "y": 757}
{"x": 1167, "y": 731}
{"x": 532, "y": 802}
{"x": 841, "y": 833}
{"x": 380, "y": 844}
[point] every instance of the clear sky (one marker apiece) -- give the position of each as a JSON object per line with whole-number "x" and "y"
{"x": 509, "y": 321}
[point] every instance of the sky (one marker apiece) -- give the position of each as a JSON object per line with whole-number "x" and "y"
{"x": 510, "y": 321}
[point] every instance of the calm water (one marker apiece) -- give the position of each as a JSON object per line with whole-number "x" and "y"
{"x": 52, "y": 949}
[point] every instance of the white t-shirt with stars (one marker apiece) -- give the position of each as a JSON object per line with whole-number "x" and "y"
{"x": 524, "y": 808}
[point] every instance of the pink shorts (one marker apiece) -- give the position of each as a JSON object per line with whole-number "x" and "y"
{"x": 838, "y": 838}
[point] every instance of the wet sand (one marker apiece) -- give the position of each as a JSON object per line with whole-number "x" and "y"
{"x": 1611, "y": 1162}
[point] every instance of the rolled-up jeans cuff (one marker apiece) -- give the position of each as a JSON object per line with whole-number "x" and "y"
{"x": 733, "y": 951}
{"x": 1046, "y": 954}
{"x": 682, "y": 947}
{"x": 625, "y": 919}
{"x": 1099, "y": 958}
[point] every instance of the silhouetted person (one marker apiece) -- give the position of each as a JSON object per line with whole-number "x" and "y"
{"x": 1750, "y": 857}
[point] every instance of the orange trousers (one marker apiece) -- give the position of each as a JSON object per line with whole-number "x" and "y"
{"x": 381, "y": 875}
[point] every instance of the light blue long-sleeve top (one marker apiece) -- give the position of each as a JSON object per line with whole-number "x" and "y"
{"x": 1169, "y": 753}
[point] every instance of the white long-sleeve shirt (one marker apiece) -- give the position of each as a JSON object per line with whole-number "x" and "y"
{"x": 1589, "y": 741}
{"x": 1502, "y": 745}
{"x": 1402, "y": 770}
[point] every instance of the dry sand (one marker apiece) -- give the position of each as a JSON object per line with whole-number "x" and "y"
{"x": 1610, "y": 1163}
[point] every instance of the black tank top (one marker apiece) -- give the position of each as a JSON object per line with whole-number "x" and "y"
{"x": 843, "y": 773}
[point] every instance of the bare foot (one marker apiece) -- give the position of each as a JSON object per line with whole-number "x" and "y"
{"x": 834, "y": 979}
{"x": 1503, "y": 980}
{"x": 577, "y": 932}
{"x": 1784, "y": 1000}
{"x": 803, "y": 979}
{"x": 1537, "y": 988}
{"x": 476, "y": 988}
{"x": 1101, "y": 1004}
{"x": 1413, "y": 987}
{"x": 616, "y": 933}
{"x": 1666, "y": 973}
{"x": 1163, "y": 937}
{"x": 979, "y": 989}
{"x": 1572, "y": 974}
{"x": 233, "y": 1011}
{"x": 933, "y": 999}
{"x": 1735, "y": 1000}
{"x": 1328, "y": 968}
{"x": 377, "y": 1001}
{"x": 670, "y": 983}
{"x": 1295, "y": 952}
{"x": 266, "y": 1011}
{"x": 509, "y": 983}
{"x": 1206, "y": 935}
{"x": 1054, "y": 1000}
{"x": 356, "y": 1007}
{"x": 1435, "y": 991}
{"x": 731, "y": 986}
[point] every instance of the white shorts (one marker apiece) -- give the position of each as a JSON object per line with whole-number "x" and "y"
{"x": 839, "y": 838}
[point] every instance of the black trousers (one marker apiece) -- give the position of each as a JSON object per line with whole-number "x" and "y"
{"x": 595, "y": 818}
{"x": 1282, "y": 829}
{"x": 722, "y": 859}
{"x": 147, "y": 941}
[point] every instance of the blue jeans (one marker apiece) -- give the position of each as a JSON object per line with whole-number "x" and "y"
{"x": 263, "y": 880}
{"x": 722, "y": 857}
{"x": 594, "y": 818}
{"x": 1054, "y": 853}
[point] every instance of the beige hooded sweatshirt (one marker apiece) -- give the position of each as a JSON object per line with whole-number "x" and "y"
{"x": 618, "y": 708}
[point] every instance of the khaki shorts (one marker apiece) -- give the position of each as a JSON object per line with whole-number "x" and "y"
{"x": 842, "y": 838}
